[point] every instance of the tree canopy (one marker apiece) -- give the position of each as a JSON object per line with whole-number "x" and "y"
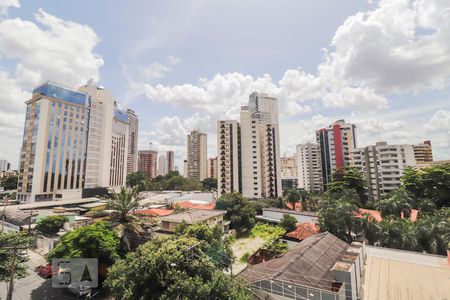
{"x": 166, "y": 268}
{"x": 92, "y": 241}
{"x": 240, "y": 211}
{"x": 137, "y": 180}
{"x": 431, "y": 183}
{"x": 209, "y": 183}
{"x": 51, "y": 224}
{"x": 288, "y": 222}
{"x": 9, "y": 240}
{"x": 349, "y": 178}
{"x": 9, "y": 183}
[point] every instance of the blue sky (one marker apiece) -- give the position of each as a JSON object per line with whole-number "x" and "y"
{"x": 384, "y": 65}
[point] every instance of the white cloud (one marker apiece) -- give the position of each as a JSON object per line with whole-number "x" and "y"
{"x": 6, "y": 4}
{"x": 48, "y": 49}
{"x": 439, "y": 122}
{"x": 173, "y": 60}
{"x": 56, "y": 50}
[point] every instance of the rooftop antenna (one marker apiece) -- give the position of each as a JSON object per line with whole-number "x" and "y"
{"x": 150, "y": 146}
{"x": 379, "y": 130}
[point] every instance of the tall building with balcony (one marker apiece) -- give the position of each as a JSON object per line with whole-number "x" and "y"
{"x": 212, "y": 167}
{"x": 132, "y": 155}
{"x": 197, "y": 155}
{"x": 4, "y": 165}
{"x": 336, "y": 143}
{"x": 52, "y": 162}
{"x": 309, "y": 166}
{"x": 423, "y": 152}
{"x": 147, "y": 163}
{"x": 255, "y": 140}
{"x": 382, "y": 166}
{"x": 228, "y": 157}
{"x": 162, "y": 165}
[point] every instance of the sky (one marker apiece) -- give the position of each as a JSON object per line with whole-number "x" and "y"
{"x": 181, "y": 65}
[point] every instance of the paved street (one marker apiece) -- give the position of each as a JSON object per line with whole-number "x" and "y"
{"x": 33, "y": 286}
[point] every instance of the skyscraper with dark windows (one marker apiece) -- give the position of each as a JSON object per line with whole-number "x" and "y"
{"x": 52, "y": 161}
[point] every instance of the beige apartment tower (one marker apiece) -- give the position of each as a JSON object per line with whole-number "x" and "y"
{"x": 132, "y": 156}
{"x": 197, "y": 155}
{"x": 423, "y": 152}
{"x": 228, "y": 157}
{"x": 382, "y": 166}
{"x": 309, "y": 166}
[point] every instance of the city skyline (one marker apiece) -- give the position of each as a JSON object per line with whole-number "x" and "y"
{"x": 156, "y": 71}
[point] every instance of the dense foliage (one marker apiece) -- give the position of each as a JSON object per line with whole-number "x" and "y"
{"x": 51, "y": 224}
{"x": 271, "y": 235}
{"x": 171, "y": 269}
{"x": 137, "y": 180}
{"x": 209, "y": 184}
{"x": 240, "y": 211}
{"x": 8, "y": 241}
{"x": 9, "y": 183}
{"x": 217, "y": 247}
{"x": 92, "y": 241}
{"x": 432, "y": 183}
{"x": 288, "y": 222}
{"x": 349, "y": 178}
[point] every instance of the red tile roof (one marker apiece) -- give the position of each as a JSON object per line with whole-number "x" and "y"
{"x": 373, "y": 214}
{"x": 189, "y": 205}
{"x": 303, "y": 231}
{"x": 298, "y": 206}
{"x": 157, "y": 212}
{"x": 414, "y": 215}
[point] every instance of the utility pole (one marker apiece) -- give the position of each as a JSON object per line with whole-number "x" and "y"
{"x": 12, "y": 270}
{"x": 29, "y": 222}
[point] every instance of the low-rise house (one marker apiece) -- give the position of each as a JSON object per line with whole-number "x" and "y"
{"x": 320, "y": 267}
{"x": 274, "y": 215}
{"x": 199, "y": 216}
{"x": 301, "y": 232}
{"x": 154, "y": 212}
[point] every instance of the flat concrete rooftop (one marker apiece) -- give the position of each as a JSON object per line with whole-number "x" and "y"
{"x": 397, "y": 274}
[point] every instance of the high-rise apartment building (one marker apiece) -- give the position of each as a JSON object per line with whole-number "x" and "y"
{"x": 212, "y": 167}
{"x": 170, "y": 160}
{"x": 147, "y": 163}
{"x": 132, "y": 156}
{"x": 309, "y": 166}
{"x": 185, "y": 168}
{"x": 107, "y": 152}
{"x": 52, "y": 162}
{"x": 197, "y": 155}
{"x": 423, "y": 152}
{"x": 255, "y": 140}
{"x": 289, "y": 178}
{"x": 228, "y": 157}
{"x": 336, "y": 143}
{"x": 119, "y": 149}
{"x": 382, "y": 166}
{"x": 162, "y": 165}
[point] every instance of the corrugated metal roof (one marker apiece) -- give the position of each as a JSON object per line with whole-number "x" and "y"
{"x": 308, "y": 264}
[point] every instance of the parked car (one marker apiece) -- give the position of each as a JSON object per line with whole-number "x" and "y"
{"x": 23, "y": 256}
{"x": 80, "y": 289}
{"x": 46, "y": 271}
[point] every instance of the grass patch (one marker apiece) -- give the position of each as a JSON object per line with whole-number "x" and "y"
{"x": 267, "y": 232}
{"x": 245, "y": 257}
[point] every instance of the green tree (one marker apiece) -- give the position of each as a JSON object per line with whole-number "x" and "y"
{"x": 292, "y": 196}
{"x": 395, "y": 203}
{"x": 11, "y": 267}
{"x": 127, "y": 226}
{"x": 398, "y": 233}
{"x": 433, "y": 232}
{"x": 349, "y": 178}
{"x": 171, "y": 269}
{"x": 209, "y": 184}
{"x": 216, "y": 246}
{"x": 431, "y": 183}
{"x": 10, "y": 183}
{"x": 92, "y": 241}
{"x": 51, "y": 224}
{"x": 337, "y": 216}
{"x": 288, "y": 222}
{"x": 240, "y": 212}
{"x": 137, "y": 180}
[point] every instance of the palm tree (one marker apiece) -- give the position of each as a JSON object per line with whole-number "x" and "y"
{"x": 292, "y": 196}
{"x": 395, "y": 204}
{"x": 127, "y": 226}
